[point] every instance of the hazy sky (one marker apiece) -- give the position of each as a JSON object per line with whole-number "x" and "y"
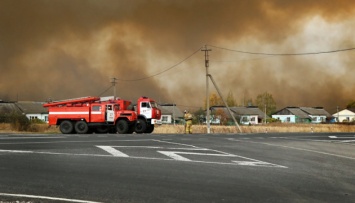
{"x": 72, "y": 48}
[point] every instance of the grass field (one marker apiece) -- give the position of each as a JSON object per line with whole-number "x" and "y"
{"x": 165, "y": 129}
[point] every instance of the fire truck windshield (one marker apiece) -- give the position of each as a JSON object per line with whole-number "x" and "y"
{"x": 154, "y": 105}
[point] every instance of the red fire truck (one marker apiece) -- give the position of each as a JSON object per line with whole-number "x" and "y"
{"x": 102, "y": 115}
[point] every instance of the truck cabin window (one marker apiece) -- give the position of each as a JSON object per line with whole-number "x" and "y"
{"x": 154, "y": 105}
{"x": 145, "y": 104}
{"x": 96, "y": 108}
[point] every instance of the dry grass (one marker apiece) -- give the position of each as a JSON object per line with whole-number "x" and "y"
{"x": 33, "y": 128}
{"x": 270, "y": 128}
{"x": 165, "y": 129}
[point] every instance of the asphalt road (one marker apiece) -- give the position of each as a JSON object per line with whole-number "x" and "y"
{"x": 178, "y": 168}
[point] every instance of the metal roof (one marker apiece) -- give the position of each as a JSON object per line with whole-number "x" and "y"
{"x": 32, "y": 107}
{"x": 242, "y": 111}
{"x": 298, "y": 112}
{"x": 315, "y": 111}
{"x": 7, "y": 108}
{"x": 303, "y": 112}
{"x": 171, "y": 110}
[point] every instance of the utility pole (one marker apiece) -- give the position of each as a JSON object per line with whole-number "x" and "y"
{"x": 114, "y": 87}
{"x": 207, "y": 91}
{"x": 265, "y": 114}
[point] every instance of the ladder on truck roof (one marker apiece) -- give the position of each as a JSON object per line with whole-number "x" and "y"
{"x": 72, "y": 101}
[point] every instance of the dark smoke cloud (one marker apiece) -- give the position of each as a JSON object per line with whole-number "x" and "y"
{"x": 64, "y": 49}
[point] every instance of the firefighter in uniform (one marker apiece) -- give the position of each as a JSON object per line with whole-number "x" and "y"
{"x": 188, "y": 122}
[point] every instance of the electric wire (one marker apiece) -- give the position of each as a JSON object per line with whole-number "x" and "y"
{"x": 105, "y": 91}
{"x": 284, "y": 54}
{"x": 159, "y": 73}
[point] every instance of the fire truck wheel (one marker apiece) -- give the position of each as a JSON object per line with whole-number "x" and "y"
{"x": 101, "y": 129}
{"x": 150, "y": 129}
{"x": 131, "y": 129}
{"x": 66, "y": 127}
{"x": 81, "y": 127}
{"x": 141, "y": 126}
{"x": 122, "y": 127}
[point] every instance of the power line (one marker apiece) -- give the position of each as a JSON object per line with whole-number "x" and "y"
{"x": 284, "y": 54}
{"x": 159, "y": 73}
{"x": 106, "y": 90}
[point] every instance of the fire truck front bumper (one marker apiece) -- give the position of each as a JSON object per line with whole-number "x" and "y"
{"x": 155, "y": 122}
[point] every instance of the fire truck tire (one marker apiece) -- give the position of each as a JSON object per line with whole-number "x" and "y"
{"x": 131, "y": 129}
{"x": 141, "y": 126}
{"x": 150, "y": 129}
{"x": 122, "y": 127}
{"x": 102, "y": 129}
{"x": 81, "y": 127}
{"x": 66, "y": 127}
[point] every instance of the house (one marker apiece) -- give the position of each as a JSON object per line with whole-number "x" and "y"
{"x": 301, "y": 115}
{"x": 244, "y": 115}
{"x": 7, "y": 109}
{"x": 346, "y": 115}
{"x": 33, "y": 110}
{"x": 171, "y": 114}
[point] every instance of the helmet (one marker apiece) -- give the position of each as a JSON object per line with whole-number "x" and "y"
{"x": 185, "y": 111}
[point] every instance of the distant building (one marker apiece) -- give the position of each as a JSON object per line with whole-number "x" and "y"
{"x": 170, "y": 114}
{"x": 302, "y": 115}
{"x": 244, "y": 115}
{"x": 32, "y": 110}
{"x": 346, "y": 115}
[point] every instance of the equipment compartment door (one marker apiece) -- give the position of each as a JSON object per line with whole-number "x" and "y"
{"x": 110, "y": 114}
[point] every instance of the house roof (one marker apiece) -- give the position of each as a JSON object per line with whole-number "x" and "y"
{"x": 298, "y": 112}
{"x": 317, "y": 111}
{"x": 170, "y": 109}
{"x": 344, "y": 112}
{"x": 303, "y": 112}
{"x": 242, "y": 111}
{"x": 32, "y": 107}
{"x": 7, "y": 108}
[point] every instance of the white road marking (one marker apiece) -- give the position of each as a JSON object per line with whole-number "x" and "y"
{"x": 253, "y": 163}
{"x": 174, "y": 155}
{"x": 296, "y": 148}
{"x": 46, "y": 197}
{"x": 178, "y": 155}
{"x": 336, "y": 137}
{"x": 113, "y": 151}
{"x": 346, "y": 141}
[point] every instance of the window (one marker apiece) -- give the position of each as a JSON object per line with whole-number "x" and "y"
{"x": 145, "y": 104}
{"x": 164, "y": 118}
{"x": 288, "y": 119}
{"x": 96, "y": 108}
{"x": 117, "y": 107}
{"x": 33, "y": 117}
